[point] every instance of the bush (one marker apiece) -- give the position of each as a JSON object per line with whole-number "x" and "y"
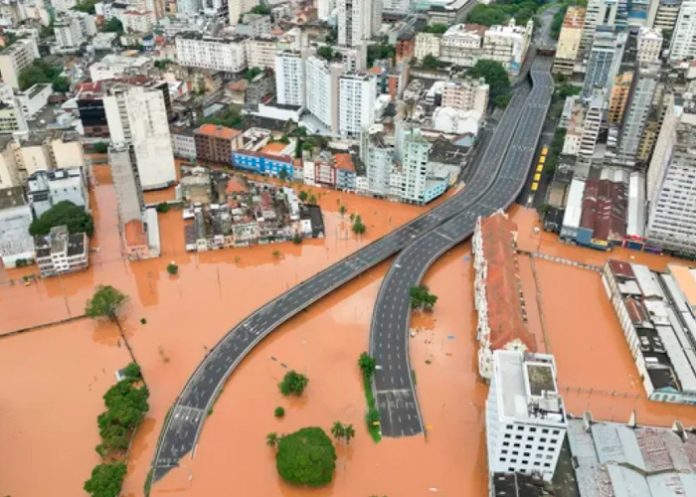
{"x": 100, "y": 148}
{"x": 293, "y": 383}
{"x": 297, "y": 239}
{"x": 306, "y": 457}
{"x": 421, "y": 298}
{"x": 358, "y": 227}
{"x": 106, "y": 480}
{"x": 172, "y": 269}
{"x": 74, "y": 217}
{"x": 279, "y": 412}
{"x": 162, "y": 207}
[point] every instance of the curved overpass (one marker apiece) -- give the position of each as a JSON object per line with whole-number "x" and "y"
{"x": 186, "y": 417}
{"x": 393, "y": 384}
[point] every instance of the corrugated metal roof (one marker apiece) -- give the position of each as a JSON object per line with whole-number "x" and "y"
{"x": 573, "y": 208}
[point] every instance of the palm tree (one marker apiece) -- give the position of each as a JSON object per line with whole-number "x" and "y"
{"x": 348, "y": 433}
{"x": 338, "y": 430}
{"x": 272, "y": 439}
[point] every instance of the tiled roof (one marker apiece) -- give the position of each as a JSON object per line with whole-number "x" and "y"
{"x": 218, "y": 131}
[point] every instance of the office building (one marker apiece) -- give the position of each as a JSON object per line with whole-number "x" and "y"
{"x": 290, "y": 78}
{"x": 673, "y": 205}
{"x": 662, "y": 152}
{"x": 592, "y": 123}
{"x": 16, "y": 244}
{"x": 211, "y": 52}
{"x": 322, "y": 86}
{"x": 15, "y": 58}
{"x": 603, "y": 61}
{"x": 357, "y": 95}
{"x": 138, "y": 115}
{"x": 61, "y": 252}
{"x": 358, "y": 21}
{"x": 525, "y": 417}
{"x": 649, "y": 45}
{"x": 398, "y": 7}
{"x": 568, "y": 46}
{"x": 639, "y": 106}
{"x": 666, "y": 13}
{"x": 683, "y": 45}
{"x": 618, "y": 99}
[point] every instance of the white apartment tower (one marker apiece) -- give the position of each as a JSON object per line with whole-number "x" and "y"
{"x": 597, "y": 13}
{"x": 649, "y": 45}
{"x": 409, "y": 183}
{"x": 238, "y": 7}
{"x": 592, "y": 123}
{"x": 323, "y": 90}
{"x": 379, "y": 163}
{"x": 290, "y": 78}
{"x": 137, "y": 115}
{"x": 358, "y": 21}
{"x": 356, "y": 108}
{"x": 683, "y": 44}
{"x": 525, "y": 417}
{"x": 16, "y": 58}
{"x": 211, "y": 52}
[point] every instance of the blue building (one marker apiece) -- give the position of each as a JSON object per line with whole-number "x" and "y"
{"x": 260, "y": 163}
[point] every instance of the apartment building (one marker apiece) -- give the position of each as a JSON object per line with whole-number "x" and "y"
{"x": 618, "y": 99}
{"x": 379, "y": 163}
{"x": 183, "y": 143}
{"x": 427, "y": 44}
{"x": 597, "y": 13}
{"x": 16, "y": 244}
{"x": 507, "y": 45}
{"x": 15, "y": 58}
{"x": 649, "y": 45}
{"x": 461, "y": 44}
{"x": 526, "y": 421}
{"x": 467, "y": 94}
{"x": 604, "y": 60}
{"x": 216, "y": 143}
{"x": 12, "y": 118}
{"x": 666, "y": 14}
{"x": 48, "y": 188}
{"x": 683, "y": 45}
{"x": 138, "y": 115}
{"x": 261, "y": 51}
{"x": 72, "y": 29}
{"x": 238, "y": 7}
{"x": 322, "y": 84}
{"x": 639, "y": 106}
{"x": 592, "y": 123}
{"x": 358, "y": 21}
{"x": 290, "y": 78}
{"x": 569, "y": 39}
{"x": 61, "y": 252}
{"x": 194, "y": 49}
{"x": 357, "y": 95}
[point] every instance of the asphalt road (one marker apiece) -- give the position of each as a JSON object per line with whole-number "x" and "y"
{"x": 499, "y": 181}
{"x": 186, "y": 417}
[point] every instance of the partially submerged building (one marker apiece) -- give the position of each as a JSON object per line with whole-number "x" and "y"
{"x": 61, "y": 252}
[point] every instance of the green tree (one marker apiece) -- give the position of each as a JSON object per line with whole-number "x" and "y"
{"x": 306, "y": 457}
{"x": 293, "y": 383}
{"x": 338, "y": 430}
{"x": 430, "y": 62}
{"x": 380, "y": 51}
{"x": 303, "y": 196}
{"x": 172, "y": 269}
{"x": 162, "y": 207}
{"x": 39, "y": 71}
{"x": 342, "y": 210}
{"x": 497, "y": 79}
{"x": 283, "y": 174}
{"x": 261, "y": 9}
{"x": 421, "y": 298}
{"x": 163, "y": 63}
{"x": 61, "y": 84}
{"x": 113, "y": 25}
{"x": 568, "y": 90}
{"x": 367, "y": 364}
{"x": 106, "y": 480}
{"x": 105, "y": 302}
{"x": 86, "y": 6}
{"x": 132, "y": 371}
{"x": 63, "y": 213}
{"x": 126, "y": 404}
{"x": 326, "y": 52}
{"x": 279, "y": 412}
{"x": 348, "y": 433}
{"x": 272, "y": 439}
{"x": 100, "y": 148}
{"x": 252, "y": 72}
{"x": 358, "y": 227}
{"x": 436, "y": 28}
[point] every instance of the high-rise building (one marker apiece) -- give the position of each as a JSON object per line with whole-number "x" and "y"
{"x": 618, "y": 99}
{"x": 672, "y": 209}
{"x": 211, "y": 52}
{"x": 466, "y": 94}
{"x": 323, "y": 90}
{"x": 683, "y": 44}
{"x": 604, "y": 60}
{"x": 666, "y": 13}
{"x": 526, "y": 420}
{"x": 398, "y": 7}
{"x": 598, "y": 13}
{"x": 290, "y": 78}
{"x": 238, "y": 7}
{"x": 649, "y": 45}
{"x": 356, "y": 108}
{"x": 138, "y": 115}
{"x": 325, "y": 8}
{"x": 568, "y": 46}
{"x": 639, "y": 105}
{"x": 124, "y": 173}
{"x": 379, "y": 162}
{"x": 410, "y": 182}
{"x": 358, "y": 21}
{"x": 662, "y": 151}
{"x": 592, "y": 123}
{"x": 15, "y": 58}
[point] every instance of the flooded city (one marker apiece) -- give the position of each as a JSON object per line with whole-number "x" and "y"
{"x": 57, "y": 374}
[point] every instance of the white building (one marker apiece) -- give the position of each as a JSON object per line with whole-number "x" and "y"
{"x": 322, "y": 86}
{"x": 649, "y": 45}
{"x": 507, "y": 44}
{"x": 325, "y": 8}
{"x": 209, "y": 52}
{"x": 15, "y": 218}
{"x": 358, "y": 21}
{"x": 61, "y": 252}
{"x": 409, "y": 182}
{"x": 238, "y": 7}
{"x": 138, "y": 115}
{"x": 183, "y": 143}
{"x": 525, "y": 416}
{"x": 357, "y": 94}
{"x": 597, "y": 13}
{"x": 461, "y": 44}
{"x": 73, "y": 29}
{"x": 427, "y": 44}
{"x": 34, "y": 99}
{"x": 261, "y": 51}
{"x": 379, "y": 163}
{"x": 129, "y": 193}
{"x": 138, "y": 21}
{"x": 16, "y": 58}
{"x": 290, "y": 78}
{"x": 569, "y": 39}
{"x": 466, "y": 94}
{"x": 48, "y": 188}
{"x": 113, "y": 66}
{"x": 11, "y": 117}
{"x": 683, "y": 45}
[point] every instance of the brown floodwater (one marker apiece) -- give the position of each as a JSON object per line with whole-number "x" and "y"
{"x": 58, "y": 374}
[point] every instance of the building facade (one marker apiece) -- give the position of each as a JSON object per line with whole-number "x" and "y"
{"x": 290, "y": 78}
{"x": 61, "y": 252}
{"x": 357, "y": 95}
{"x": 322, "y": 85}
{"x": 568, "y": 46}
{"x": 216, "y": 143}
{"x": 683, "y": 45}
{"x": 208, "y": 52}
{"x": 15, "y": 58}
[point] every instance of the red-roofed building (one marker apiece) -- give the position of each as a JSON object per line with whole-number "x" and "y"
{"x": 603, "y": 220}
{"x": 344, "y": 172}
{"x": 502, "y": 317}
{"x": 135, "y": 239}
{"x": 216, "y": 143}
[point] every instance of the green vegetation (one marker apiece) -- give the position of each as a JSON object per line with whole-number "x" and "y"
{"x": 162, "y": 63}
{"x": 105, "y": 302}
{"x": 342, "y": 432}
{"x": 303, "y": 196}
{"x": 86, "y": 6}
{"x": 430, "y": 62}
{"x": 568, "y": 90}
{"x": 272, "y": 439}
{"x": 100, "y": 148}
{"x": 502, "y": 11}
{"x": 557, "y": 20}
{"x": 380, "y": 51}
{"x": 230, "y": 118}
{"x": 252, "y": 72}
{"x": 306, "y": 457}
{"x": 261, "y": 9}
{"x": 61, "y": 84}
{"x": 328, "y": 53}
{"x": 297, "y": 239}
{"x": 358, "y": 227}
{"x": 162, "y": 207}
{"x": 172, "y": 269}
{"x": 435, "y": 28}
{"x": 40, "y": 71}
{"x": 555, "y": 151}
{"x": 279, "y": 412}
{"x": 113, "y": 25}
{"x": 74, "y": 217}
{"x": 106, "y": 480}
{"x": 421, "y": 298}
{"x": 293, "y": 383}
{"x": 497, "y": 78}
{"x": 367, "y": 367}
